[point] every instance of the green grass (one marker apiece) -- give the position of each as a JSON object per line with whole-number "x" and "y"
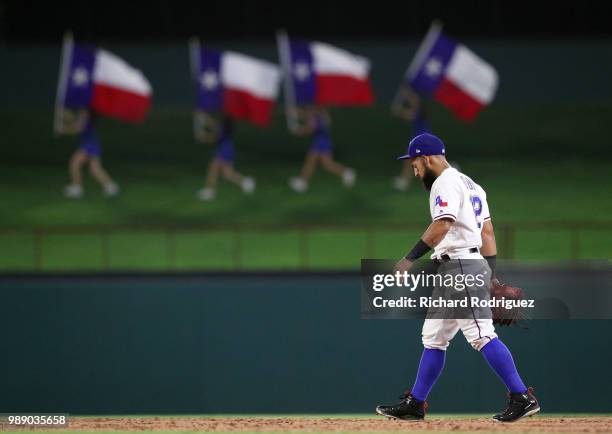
{"x": 537, "y": 163}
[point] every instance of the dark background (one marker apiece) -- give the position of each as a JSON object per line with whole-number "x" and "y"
{"x": 26, "y": 21}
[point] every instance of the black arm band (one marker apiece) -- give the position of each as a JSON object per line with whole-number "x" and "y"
{"x": 492, "y": 260}
{"x": 417, "y": 251}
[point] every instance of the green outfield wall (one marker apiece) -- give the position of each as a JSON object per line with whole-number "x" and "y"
{"x": 257, "y": 343}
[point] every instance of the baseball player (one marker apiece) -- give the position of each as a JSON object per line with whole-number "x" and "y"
{"x": 81, "y": 123}
{"x": 461, "y": 230}
{"x": 409, "y": 107}
{"x": 212, "y": 131}
{"x": 316, "y": 121}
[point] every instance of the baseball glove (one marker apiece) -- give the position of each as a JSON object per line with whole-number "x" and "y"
{"x": 501, "y": 315}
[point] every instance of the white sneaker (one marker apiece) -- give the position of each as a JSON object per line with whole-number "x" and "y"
{"x": 247, "y": 185}
{"x": 298, "y": 185}
{"x": 73, "y": 191}
{"x": 400, "y": 183}
{"x": 349, "y": 177}
{"x": 111, "y": 189}
{"x": 207, "y": 194}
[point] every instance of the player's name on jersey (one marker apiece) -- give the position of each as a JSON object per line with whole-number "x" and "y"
{"x": 441, "y": 302}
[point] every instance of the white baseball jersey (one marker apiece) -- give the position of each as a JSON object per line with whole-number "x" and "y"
{"x": 455, "y": 196}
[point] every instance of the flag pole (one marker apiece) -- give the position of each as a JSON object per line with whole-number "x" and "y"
{"x": 284, "y": 53}
{"x": 194, "y": 66}
{"x": 194, "y": 60}
{"x": 430, "y": 37}
{"x": 62, "y": 82}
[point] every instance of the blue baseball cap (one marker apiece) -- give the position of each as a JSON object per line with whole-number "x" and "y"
{"x": 424, "y": 144}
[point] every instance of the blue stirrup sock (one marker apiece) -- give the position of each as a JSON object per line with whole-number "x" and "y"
{"x": 430, "y": 368}
{"x": 500, "y": 360}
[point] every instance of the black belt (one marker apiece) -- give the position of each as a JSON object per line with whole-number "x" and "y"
{"x": 446, "y": 258}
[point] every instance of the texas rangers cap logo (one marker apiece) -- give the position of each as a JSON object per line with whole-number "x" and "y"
{"x": 440, "y": 202}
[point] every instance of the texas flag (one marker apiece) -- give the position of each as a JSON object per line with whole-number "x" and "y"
{"x": 102, "y": 81}
{"x": 326, "y": 75}
{"x": 240, "y": 86}
{"x": 453, "y": 74}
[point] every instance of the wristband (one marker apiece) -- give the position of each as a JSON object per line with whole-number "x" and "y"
{"x": 419, "y": 249}
{"x": 492, "y": 260}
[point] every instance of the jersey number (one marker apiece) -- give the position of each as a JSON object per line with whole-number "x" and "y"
{"x": 477, "y": 207}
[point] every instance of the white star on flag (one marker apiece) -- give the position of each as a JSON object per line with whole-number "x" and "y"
{"x": 80, "y": 77}
{"x": 209, "y": 80}
{"x": 301, "y": 71}
{"x": 433, "y": 67}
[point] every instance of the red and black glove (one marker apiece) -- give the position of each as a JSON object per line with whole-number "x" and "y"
{"x": 501, "y": 315}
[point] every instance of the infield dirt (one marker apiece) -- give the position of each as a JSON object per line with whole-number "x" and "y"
{"x": 596, "y": 424}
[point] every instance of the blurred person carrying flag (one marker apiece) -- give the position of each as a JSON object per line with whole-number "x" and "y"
{"x": 452, "y": 74}
{"x": 318, "y": 75}
{"x": 230, "y": 86}
{"x": 95, "y": 83}
{"x": 409, "y": 106}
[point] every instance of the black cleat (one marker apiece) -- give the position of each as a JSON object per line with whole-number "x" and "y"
{"x": 519, "y": 405}
{"x": 409, "y": 408}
